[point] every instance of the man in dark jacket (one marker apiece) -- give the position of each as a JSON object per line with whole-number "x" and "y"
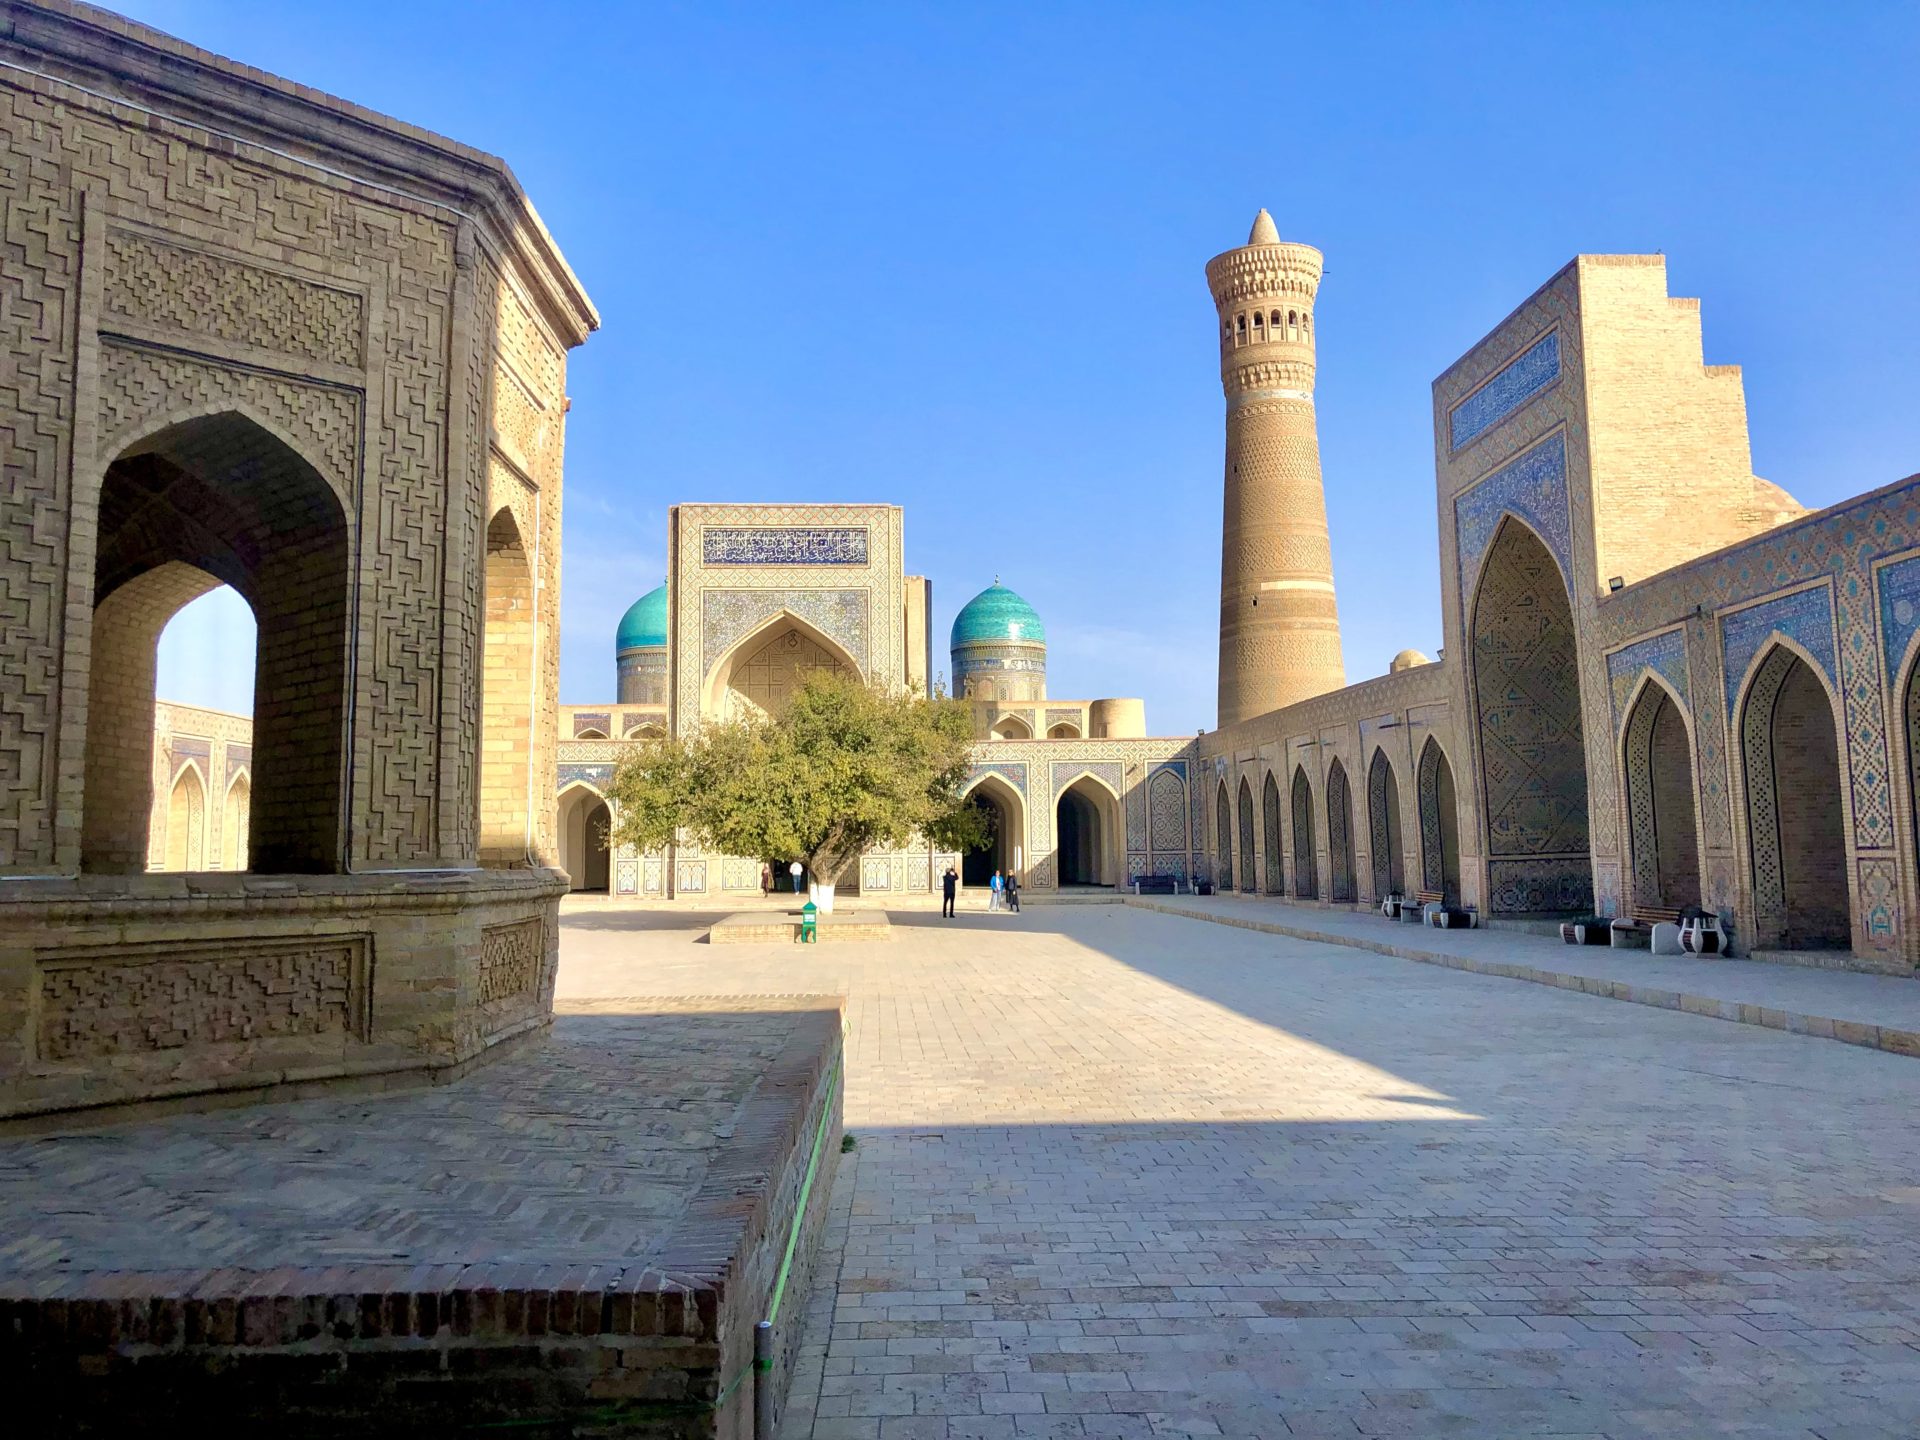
{"x": 1013, "y": 892}
{"x": 949, "y": 882}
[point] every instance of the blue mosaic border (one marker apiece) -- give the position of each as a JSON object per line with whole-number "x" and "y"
{"x": 1804, "y": 617}
{"x": 1013, "y": 772}
{"x": 1533, "y": 487}
{"x": 1518, "y": 381}
{"x": 1899, "y": 585}
{"x": 595, "y": 775}
{"x": 1665, "y": 655}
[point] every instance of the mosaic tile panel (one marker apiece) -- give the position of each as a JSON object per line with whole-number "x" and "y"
{"x": 1804, "y": 617}
{"x": 1383, "y": 792}
{"x": 1899, "y": 584}
{"x": 626, "y": 877}
{"x": 1136, "y": 803}
{"x": 1167, "y": 811}
{"x": 728, "y": 616}
{"x": 1013, "y": 773}
{"x": 1525, "y": 376}
{"x": 584, "y": 721}
{"x": 1533, "y": 487}
{"x": 784, "y": 545}
{"x": 1223, "y": 838}
{"x": 598, "y": 776}
{"x": 1664, "y": 654}
{"x": 238, "y": 756}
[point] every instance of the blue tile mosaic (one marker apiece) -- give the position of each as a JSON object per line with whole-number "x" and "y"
{"x": 1014, "y": 773}
{"x": 1899, "y": 610}
{"x": 1532, "y": 486}
{"x": 1517, "y": 382}
{"x": 1664, "y": 654}
{"x": 784, "y": 545}
{"x": 597, "y": 776}
{"x": 1804, "y": 617}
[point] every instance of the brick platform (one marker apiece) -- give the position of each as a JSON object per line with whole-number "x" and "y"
{"x": 579, "y": 1238}
{"x": 760, "y": 927}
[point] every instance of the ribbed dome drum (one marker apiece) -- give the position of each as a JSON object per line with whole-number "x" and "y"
{"x": 999, "y": 648}
{"x": 640, "y": 649}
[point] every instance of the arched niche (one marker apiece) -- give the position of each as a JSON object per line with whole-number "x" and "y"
{"x": 1439, "y": 824}
{"x": 1526, "y": 697}
{"x": 1006, "y": 814}
{"x": 1088, "y": 835}
{"x": 1270, "y": 826}
{"x": 1223, "y": 839}
{"x": 585, "y": 821}
{"x": 1386, "y": 840}
{"x": 1796, "y": 811}
{"x": 756, "y": 674}
{"x": 1340, "y": 882}
{"x": 1248, "y": 870}
{"x": 1306, "y": 870}
{"x": 1663, "y": 841}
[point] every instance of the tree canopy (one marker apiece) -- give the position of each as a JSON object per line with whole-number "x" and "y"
{"x": 844, "y": 767}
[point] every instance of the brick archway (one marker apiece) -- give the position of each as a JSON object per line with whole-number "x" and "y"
{"x": 1386, "y": 840}
{"x": 1662, "y": 828}
{"x": 1306, "y": 869}
{"x": 1796, "y": 817}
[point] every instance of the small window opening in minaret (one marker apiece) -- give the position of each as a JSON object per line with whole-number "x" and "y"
{"x": 1276, "y": 319}
{"x": 1259, "y": 324}
{"x": 1240, "y": 330}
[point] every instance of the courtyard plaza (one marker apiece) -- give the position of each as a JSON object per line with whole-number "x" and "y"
{"x": 1126, "y": 1173}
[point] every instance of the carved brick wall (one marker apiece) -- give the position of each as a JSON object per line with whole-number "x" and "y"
{"x": 510, "y": 960}
{"x": 212, "y": 993}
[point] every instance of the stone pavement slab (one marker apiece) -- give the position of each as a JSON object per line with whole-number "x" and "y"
{"x": 581, "y": 1150}
{"x": 1881, "y": 1012}
{"x": 1127, "y": 1173}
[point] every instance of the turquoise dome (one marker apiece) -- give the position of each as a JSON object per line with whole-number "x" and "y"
{"x": 645, "y": 623}
{"x": 997, "y": 615}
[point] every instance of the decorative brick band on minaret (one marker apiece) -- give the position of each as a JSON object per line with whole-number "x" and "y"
{"x": 1279, "y": 627}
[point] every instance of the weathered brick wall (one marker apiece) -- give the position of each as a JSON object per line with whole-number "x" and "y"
{"x": 273, "y": 340}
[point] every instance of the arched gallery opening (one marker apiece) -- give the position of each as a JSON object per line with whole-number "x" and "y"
{"x": 584, "y": 824}
{"x": 1270, "y": 824}
{"x": 1533, "y": 760}
{"x": 1796, "y": 825}
{"x": 1223, "y": 840}
{"x": 1010, "y": 727}
{"x": 506, "y": 698}
{"x": 1662, "y": 836}
{"x": 1439, "y": 825}
{"x": 1064, "y": 730}
{"x": 1086, "y": 829}
{"x": 1385, "y": 840}
{"x": 203, "y": 678}
{"x": 1306, "y": 871}
{"x": 999, "y": 803}
{"x": 1340, "y": 884}
{"x": 1247, "y": 870}
{"x": 205, "y": 502}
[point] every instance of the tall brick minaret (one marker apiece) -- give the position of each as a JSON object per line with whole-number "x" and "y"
{"x": 1279, "y": 628}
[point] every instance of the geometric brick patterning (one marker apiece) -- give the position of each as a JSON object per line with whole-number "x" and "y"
{"x": 1527, "y": 688}
{"x": 103, "y": 1004}
{"x": 510, "y": 957}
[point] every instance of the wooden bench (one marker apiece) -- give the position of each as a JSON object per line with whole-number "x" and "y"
{"x": 1642, "y": 918}
{"x": 1156, "y": 885}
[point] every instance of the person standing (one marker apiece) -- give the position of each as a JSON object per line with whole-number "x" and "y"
{"x": 766, "y": 879}
{"x": 998, "y": 893}
{"x": 1013, "y": 892}
{"x": 949, "y": 886}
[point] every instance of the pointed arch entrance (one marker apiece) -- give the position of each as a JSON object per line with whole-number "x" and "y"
{"x": 1439, "y": 825}
{"x": 756, "y": 674}
{"x": 1796, "y": 825}
{"x": 1340, "y": 886}
{"x": 1005, "y": 814}
{"x": 1533, "y": 762}
{"x": 1270, "y": 817}
{"x": 1306, "y": 870}
{"x": 1247, "y": 868}
{"x": 187, "y": 821}
{"x": 584, "y": 823}
{"x": 1223, "y": 839}
{"x": 218, "y": 499}
{"x": 1386, "y": 841}
{"x": 1086, "y": 830}
{"x": 1662, "y": 834}
{"x": 506, "y": 698}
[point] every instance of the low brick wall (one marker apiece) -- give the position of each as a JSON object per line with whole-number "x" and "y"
{"x": 656, "y": 1346}
{"x": 119, "y": 991}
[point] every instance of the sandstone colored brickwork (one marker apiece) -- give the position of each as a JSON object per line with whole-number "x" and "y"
{"x": 265, "y": 338}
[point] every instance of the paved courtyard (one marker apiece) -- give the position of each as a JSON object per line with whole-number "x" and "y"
{"x": 1124, "y": 1173}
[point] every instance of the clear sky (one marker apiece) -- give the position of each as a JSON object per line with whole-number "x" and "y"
{"x": 950, "y": 257}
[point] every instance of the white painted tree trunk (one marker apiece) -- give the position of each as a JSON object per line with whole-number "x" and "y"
{"x": 822, "y": 896}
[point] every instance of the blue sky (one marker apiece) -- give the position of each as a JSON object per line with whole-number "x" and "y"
{"x": 950, "y": 257}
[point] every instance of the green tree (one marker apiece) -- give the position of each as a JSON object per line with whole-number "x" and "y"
{"x": 844, "y": 767}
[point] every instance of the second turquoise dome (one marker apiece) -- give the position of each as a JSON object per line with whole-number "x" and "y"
{"x": 645, "y": 623}
{"x": 995, "y": 616}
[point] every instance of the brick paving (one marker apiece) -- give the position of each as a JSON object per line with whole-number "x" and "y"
{"x": 1122, "y": 1173}
{"x": 583, "y": 1149}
